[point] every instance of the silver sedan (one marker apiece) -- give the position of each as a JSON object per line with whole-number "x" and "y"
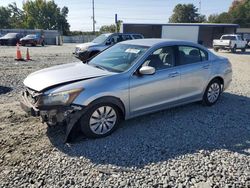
{"x": 129, "y": 79}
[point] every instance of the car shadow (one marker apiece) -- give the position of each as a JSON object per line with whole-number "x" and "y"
{"x": 4, "y": 90}
{"x": 168, "y": 134}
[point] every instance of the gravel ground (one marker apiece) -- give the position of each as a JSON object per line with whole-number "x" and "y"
{"x": 188, "y": 146}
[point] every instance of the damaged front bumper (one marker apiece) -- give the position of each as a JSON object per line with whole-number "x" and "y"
{"x": 52, "y": 115}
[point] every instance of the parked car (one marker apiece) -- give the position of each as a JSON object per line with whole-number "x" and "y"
{"x": 34, "y": 39}
{"x": 230, "y": 42}
{"x": 87, "y": 50}
{"x": 129, "y": 79}
{"x": 10, "y": 39}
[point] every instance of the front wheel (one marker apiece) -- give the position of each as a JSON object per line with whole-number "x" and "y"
{"x": 212, "y": 92}
{"x": 100, "y": 120}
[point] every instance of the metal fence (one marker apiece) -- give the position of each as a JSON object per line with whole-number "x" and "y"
{"x": 78, "y": 38}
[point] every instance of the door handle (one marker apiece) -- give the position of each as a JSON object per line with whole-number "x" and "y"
{"x": 173, "y": 74}
{"x": 205, "y": 66}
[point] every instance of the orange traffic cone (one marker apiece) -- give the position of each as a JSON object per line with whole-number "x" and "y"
{"x": 18, "y": 53}
{"x": 28, "y": 55}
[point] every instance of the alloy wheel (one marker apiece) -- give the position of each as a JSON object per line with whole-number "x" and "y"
{"x": 102, "y": 120}
{"x": 213, "y": 92}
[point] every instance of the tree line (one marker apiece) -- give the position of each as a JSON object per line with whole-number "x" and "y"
{"x": 37, "y": 14}
{"x": 238, "y": 13}
{"x": 42, "y": 14}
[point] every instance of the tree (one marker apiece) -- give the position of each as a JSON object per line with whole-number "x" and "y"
{"x": 62, "y": 21}
{"x": 238, "y": 13}
{"x": 108, "y": 28}
{"x": 186, "y": 13}
{"x": 4, "y": 18}
{"x": 220, "y": 18}
{"x": 42, "y": 14}
{"x": 17, "y": 16}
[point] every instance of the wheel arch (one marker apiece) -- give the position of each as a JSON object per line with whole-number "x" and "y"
{"x": 113, "y": 100}
{"x": 220, "y": 78}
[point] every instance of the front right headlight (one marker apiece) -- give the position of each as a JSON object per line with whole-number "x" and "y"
{"x": 61, "y": 98}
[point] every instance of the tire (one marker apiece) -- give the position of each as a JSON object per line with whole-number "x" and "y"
{"x": 243, "y": 50}
{"x": 43, "y": 44}
{"x": 94, "y": 124}
{"x": 216, "y": 49}
{"x": 233, "y": 50}
{"x": 212, "y": 93}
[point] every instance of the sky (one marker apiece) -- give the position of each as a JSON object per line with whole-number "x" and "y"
{"x": 129, "y": 11}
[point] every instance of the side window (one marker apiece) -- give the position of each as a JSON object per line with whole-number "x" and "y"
{"x": 160, "y": 59}
{"x": 126, "y": 37}
{"x": 189, "y": 55}
{"x": 115, "y": 39}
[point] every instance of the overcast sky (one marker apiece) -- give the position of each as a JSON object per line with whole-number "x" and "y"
{"x": 130, "y": 11}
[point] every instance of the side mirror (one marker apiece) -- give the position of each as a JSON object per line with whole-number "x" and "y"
{"x": 147, "y": 70}
{"x": 108, "y": 43}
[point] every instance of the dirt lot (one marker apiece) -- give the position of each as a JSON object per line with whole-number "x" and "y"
{"x": 188, "y": 146}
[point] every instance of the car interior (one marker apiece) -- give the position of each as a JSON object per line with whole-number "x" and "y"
{"x": 164, "y": 57}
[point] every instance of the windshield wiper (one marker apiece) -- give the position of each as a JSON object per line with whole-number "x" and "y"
{"x": 100, "y": 67}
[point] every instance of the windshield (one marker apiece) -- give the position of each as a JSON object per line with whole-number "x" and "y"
{"x": 30, "y": 36}
{"x": 10, "y": 35}
{"x": 119, "y": 57}
{"x": 100, "y": 39}
{"x": 228, "y": 37}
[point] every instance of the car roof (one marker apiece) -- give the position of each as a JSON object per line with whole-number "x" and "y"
{"x": 155, "y": 41}
{"x": 123, "y": 33}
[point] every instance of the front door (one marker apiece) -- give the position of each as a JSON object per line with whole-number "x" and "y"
{"x": 152, "y": 92}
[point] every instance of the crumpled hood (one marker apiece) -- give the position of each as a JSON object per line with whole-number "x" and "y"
{"x": 60, "y": 74}
{"x": 86, "y": 45}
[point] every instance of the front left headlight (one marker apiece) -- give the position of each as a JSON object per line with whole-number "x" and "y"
{"x": 61, "y": 98}
{"x": 84, "y": 48}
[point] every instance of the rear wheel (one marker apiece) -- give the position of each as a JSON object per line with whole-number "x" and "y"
{"x": 100, "y": 120}
{"x": 233, "y": 50}
{"x": 212, "y": 92}
{"x": 216, "y": 49}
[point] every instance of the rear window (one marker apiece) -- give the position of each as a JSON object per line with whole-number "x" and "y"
{"x": 126, "y": 37}
{"x": 137, "y": 37}
{"x": 228, "y": 38}
{"x": 11, "y": 35}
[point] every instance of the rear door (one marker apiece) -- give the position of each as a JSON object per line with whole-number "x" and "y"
{"x": 194, "y": 70}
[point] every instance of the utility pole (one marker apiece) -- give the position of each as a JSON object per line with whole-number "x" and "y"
{"x": 93, "y": 16}
{"x": 116, "y": 23}
{"x": 200, "y": 6}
